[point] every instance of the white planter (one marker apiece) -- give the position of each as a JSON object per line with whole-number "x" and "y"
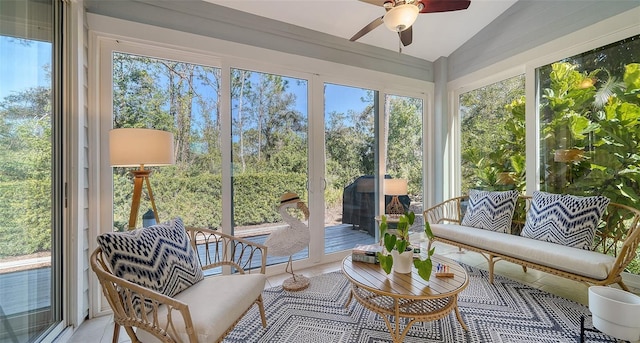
{"x": 615, "y": 312}
{"x": 402, "y": 263}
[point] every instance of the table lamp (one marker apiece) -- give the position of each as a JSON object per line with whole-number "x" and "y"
{"x": 131, "y": 147}
{"x": 395, "y": 187}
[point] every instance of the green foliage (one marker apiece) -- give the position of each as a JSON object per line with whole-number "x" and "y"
{"x": 492, "y": 137}
{"x": 197, "y": 199}
{"x": 25, "y": 172}
{"x": 400, "y": 242}
{"x": 582, "y": 109}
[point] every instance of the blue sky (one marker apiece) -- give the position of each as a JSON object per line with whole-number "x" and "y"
{"x": 17, "y": 58}
{"x": 16, "y": 65}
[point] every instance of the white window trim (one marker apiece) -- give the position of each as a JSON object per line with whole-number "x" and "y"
{"x": 597, "y": 35}
{"x": 109, "y": 34}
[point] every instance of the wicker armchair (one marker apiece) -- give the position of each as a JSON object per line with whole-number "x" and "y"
{"x": 205, "y": 312}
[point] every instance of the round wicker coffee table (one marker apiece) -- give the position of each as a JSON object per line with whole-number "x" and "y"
{"x": 406, "y": 295}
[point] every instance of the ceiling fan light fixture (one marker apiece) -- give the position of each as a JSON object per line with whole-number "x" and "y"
{"x": 401, "y": 17}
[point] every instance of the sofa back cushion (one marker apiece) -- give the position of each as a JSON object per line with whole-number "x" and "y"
{"x": 159, "y": 257}
{"x": 490, "y": 210}
{"x": 564, "y": 219}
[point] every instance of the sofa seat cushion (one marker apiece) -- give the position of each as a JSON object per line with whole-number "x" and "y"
{"x": 215, "y": 303}
{"x": 578, "y": 261}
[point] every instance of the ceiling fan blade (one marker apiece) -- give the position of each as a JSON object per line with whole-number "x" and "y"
{"x": 375, "y": 2}
{"x": 432, "y": 6}
{"x": 372, "y": 25}
{"x": 406, "y": 36}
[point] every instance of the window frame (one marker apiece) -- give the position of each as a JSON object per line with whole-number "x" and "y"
{"x": 107, "y": 35}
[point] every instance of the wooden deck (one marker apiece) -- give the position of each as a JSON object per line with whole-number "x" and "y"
{"x": 337, "y": 238}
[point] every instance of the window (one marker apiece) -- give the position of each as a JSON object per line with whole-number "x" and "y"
{"x": 349, "y": 122}
{"x": 30, "y": 175}
{"x": 493, "y": 136}
{"x": 590, "y": 124}
{"x": 181, "y": 98}
{"x": 405, "y": 148}
{"x": 269, "y": 153}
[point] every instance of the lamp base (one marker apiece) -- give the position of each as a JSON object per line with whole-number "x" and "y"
{"x": 296, "y": 283}
{"x": 395, "y": 207}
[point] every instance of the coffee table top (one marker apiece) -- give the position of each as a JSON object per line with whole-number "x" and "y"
{"x": 407, "y": 286}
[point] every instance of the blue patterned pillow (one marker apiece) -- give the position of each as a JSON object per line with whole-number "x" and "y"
{"x": 159, "y": 257}
{"x": 564, "y": 219}
{"x": 490, "y": 210}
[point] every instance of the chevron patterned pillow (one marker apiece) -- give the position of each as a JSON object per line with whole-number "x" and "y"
{"x": 490, "y": 210}
{"x": 564, "y": 219}
{"x": 159, "y": 257}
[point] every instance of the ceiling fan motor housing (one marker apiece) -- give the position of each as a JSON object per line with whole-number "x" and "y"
{"x": 401, "y": 17}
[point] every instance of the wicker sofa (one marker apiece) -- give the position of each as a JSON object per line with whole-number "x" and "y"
{"x": 615, "y": 243}
{"x": 205, "y": 311}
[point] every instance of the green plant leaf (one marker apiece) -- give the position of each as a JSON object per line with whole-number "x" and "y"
{"x": 427, "y": 230}
{"x": 632, "y": 76}
{"x": 424, "y": 268}
{"x": 383, "y": 225}
{"x": 411, "y": 217}
{"x": 389, "y": 241}
{"x": 401, "y": 245}
{"x": 386, "y": 262}
{"x": 431, "y": 252}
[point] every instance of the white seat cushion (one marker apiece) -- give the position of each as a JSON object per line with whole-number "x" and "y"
{"x": 215, "y": 304}
{"x": 573, "y": 260}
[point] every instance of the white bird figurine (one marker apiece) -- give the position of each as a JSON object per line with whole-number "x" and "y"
{"x": 291, "y": 239}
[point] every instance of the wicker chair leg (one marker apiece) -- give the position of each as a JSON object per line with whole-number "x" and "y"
{"x": 491, "y": 267}
{"x": 116, "y": 332}
{"x": 623, "y": 286}
{"x": 262, "y": 314}
{"x": 524, "y": 269}
{"x": 132, "y": 334}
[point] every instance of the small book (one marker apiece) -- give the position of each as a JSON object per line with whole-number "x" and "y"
{"x": 364, "y": 258}
{"x": 369, "y": 249}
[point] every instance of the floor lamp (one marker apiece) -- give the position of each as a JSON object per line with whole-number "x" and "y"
{"x": 129, "y": 147}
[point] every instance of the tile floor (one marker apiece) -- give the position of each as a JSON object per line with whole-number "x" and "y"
{"x": 100, "y": 330}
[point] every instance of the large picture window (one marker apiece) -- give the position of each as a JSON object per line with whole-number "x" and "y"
{"x": 181, "y": 98}
{"x": 590, "y": 124}
{"x": 269, "y": 154}
{"x": 493, "y": 136}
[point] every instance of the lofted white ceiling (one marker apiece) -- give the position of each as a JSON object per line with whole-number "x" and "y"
{"x": 434, "y": 34}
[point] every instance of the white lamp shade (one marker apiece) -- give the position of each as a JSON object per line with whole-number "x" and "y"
{"x": 130, "y": 147}
{"x": 401, "y": 17}
{"x": 395, "y": 187}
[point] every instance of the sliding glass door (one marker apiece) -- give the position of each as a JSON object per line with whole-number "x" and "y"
{"x": 269, "y": 154}
{"x": 30, "y": 174}
{"x": 349, "y": 125}
{"x": 239, "y": 153}
{"x": 404, "y": 152}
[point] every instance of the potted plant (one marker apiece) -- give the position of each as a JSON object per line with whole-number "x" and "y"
{"x": 397, "y": 247}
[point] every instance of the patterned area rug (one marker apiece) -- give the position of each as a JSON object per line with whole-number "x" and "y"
{"x": 506, "y": 311}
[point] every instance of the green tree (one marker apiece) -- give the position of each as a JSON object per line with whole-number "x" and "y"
{"x": 492, "y": 136}
{"x": 25, "y": 172}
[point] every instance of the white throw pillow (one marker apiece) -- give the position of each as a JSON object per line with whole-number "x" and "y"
{"x": 490, "y": 210}
{"x": 564, "y": 219}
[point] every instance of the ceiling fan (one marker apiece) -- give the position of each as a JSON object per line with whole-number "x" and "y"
{"x": 401, "y": 14}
